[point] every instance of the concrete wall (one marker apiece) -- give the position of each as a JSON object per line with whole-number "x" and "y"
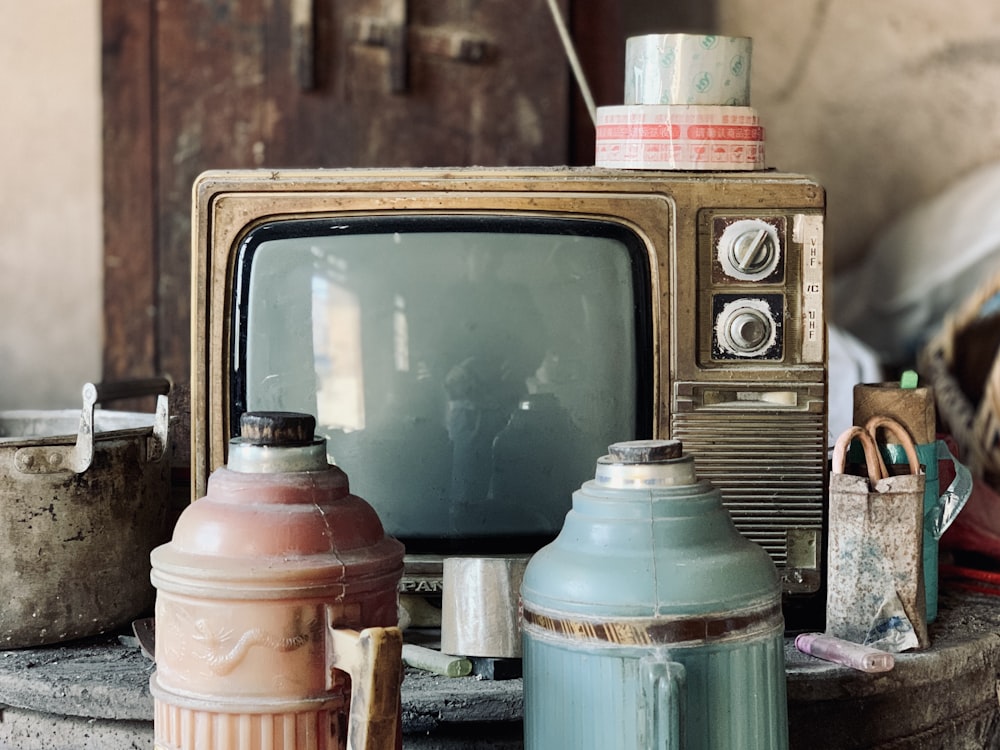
{"x": 50, "y": 202}
{"x": 886, "y": 103}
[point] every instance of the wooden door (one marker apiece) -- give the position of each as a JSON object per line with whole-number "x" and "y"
{"x": 191, "y": 85}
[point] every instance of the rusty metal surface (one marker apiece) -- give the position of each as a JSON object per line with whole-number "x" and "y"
{"x": 75, "y": 535}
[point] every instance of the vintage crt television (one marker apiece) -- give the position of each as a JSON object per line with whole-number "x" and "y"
{"x": 471, "y": 340}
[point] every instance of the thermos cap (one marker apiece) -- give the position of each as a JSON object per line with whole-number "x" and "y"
{"x": 645, "y": 464}
{"x": 646, "y": 451}
{"x": 277, "y": 428}
{"x": 273, "y": 442}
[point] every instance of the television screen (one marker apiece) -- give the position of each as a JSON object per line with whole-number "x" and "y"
{"x": 466, "y": 370}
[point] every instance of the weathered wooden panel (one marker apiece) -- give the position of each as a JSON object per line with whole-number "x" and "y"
{"x": 129, "y": 202}
{"x": 207, "y": 84}
{"x": 418, "y": 83}
{"x": 599, "y": 38}
{"x": 209, "y": 109}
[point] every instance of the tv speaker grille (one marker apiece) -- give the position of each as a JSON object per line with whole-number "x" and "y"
{"x": 770, "y": 471}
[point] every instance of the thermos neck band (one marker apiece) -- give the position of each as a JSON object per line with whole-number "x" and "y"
{"x": 249, "y": 458}
{"x": 655, "y": 631}
{"x": 613, "y": 474}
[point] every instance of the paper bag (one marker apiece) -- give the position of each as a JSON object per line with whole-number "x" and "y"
{"x": 875, "y": 583}
{"x": 914, "y": 409}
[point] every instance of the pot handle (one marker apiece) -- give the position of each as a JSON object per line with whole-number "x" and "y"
{"x": 101, "y": 393}
{"x": 48, "y": 459}
{"x": 373, "y": 659}
{"x": 662, "y": 683}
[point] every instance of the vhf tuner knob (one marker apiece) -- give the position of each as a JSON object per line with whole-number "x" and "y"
{"x": 749, "y": 249}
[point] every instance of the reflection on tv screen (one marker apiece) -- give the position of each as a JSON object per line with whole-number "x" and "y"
{"x": 466, "y": 377}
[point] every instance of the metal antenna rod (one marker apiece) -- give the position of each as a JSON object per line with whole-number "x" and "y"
{"x": 574, "y": 61}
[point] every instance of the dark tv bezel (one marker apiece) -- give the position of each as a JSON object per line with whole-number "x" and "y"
{"x": 339, "y": 225}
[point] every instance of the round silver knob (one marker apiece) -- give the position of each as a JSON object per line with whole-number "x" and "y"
{"x": 753, "y": 250}
{"x": 748, "y": 330}
{"x": 749, "y": 249}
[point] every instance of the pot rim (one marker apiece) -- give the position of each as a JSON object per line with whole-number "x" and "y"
{"x": 36, "y": 455}
{"x": 108, "y": 425}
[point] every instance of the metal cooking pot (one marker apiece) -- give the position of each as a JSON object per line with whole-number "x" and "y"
{"x": 84, "y": 498}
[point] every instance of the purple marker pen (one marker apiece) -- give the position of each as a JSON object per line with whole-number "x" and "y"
{"x": 854, "y": 655}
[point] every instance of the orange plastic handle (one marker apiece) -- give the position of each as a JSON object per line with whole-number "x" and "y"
{"x": 873, "y": 459}
{"x": 902, "y": 435}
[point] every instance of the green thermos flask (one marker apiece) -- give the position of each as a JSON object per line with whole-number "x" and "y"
{"x": 650, "y": 621}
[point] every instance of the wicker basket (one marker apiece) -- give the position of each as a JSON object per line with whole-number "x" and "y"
{"x": 962, "y": 364}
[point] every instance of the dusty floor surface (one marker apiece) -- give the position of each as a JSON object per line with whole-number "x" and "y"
{"x": 94, "y": 694}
